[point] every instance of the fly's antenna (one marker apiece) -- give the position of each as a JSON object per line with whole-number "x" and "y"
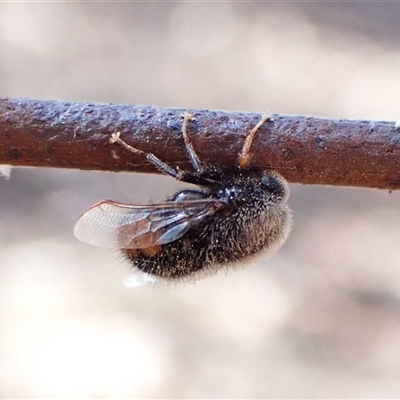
{"x": 244, "y": 157}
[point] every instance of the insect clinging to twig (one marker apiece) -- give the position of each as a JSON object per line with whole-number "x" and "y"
{"x": 233, "y": 215}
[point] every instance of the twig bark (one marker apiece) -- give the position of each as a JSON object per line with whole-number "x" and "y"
{"x": 303, "y": 149}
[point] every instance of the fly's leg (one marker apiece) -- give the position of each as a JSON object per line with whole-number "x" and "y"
{"x": 244, "y": 157}
{"x": 161, "y": 166}
{"x": 194, "y": 158}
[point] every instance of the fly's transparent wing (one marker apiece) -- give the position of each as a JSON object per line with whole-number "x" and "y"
{"x": 125, "y": 226}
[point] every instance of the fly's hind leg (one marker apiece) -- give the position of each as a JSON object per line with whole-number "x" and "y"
{"x": 161, "y": 166}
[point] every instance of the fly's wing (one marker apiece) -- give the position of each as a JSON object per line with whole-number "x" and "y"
{"x": 125, "y": 226}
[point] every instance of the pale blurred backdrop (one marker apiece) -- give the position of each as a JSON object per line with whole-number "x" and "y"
{"x": 321, "y": 318}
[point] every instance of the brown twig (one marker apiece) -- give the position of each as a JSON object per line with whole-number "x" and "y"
{"x": 304, "y": 149}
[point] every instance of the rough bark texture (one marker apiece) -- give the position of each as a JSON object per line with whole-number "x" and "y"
{"x": 303, "y": 149}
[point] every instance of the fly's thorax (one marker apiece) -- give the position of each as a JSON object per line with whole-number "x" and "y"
{"x": 250, "y": 189}
{"x": 256, "y": 210}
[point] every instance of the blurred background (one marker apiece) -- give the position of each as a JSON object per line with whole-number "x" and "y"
{"x": 321, "y": 318}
